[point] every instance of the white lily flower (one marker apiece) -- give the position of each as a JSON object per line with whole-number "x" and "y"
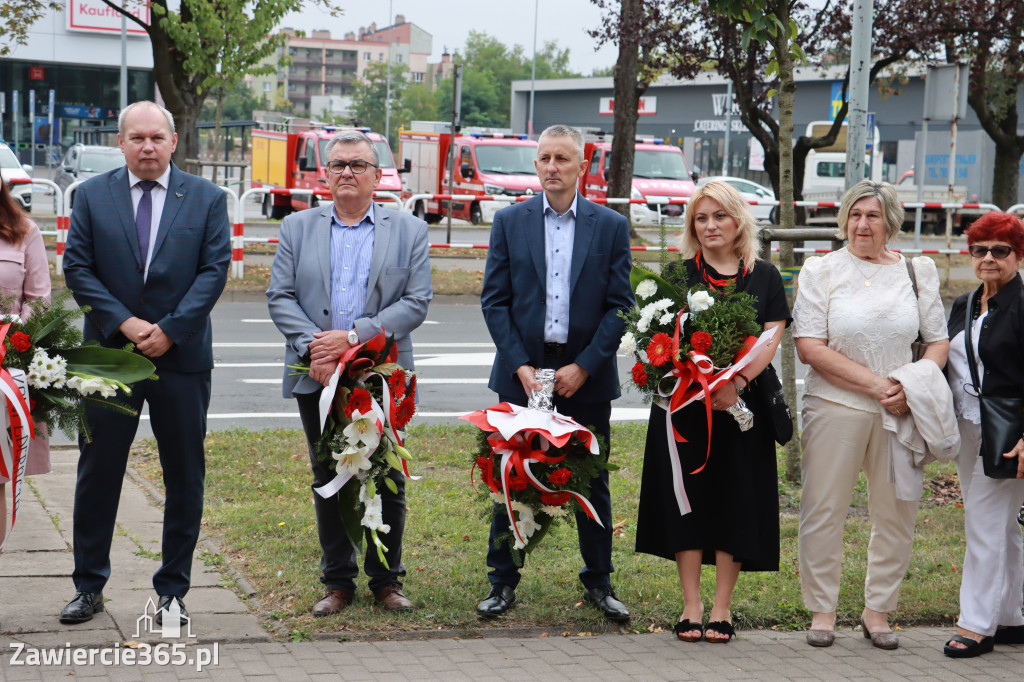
{"x": 353, "y": 459}
{"x": 363, "y": 429}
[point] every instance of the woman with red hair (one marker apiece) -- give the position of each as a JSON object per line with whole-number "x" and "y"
{"x": 24, "y": 278}
{"x": 991, "y": 596}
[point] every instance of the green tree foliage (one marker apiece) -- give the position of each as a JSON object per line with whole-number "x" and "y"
{"x": 370, "y": 94}
{"x": 239, "y": 103}
{"x": 17, "y": 17}
{"x": 202, "y": 45}
{"x": 489, "y": 67}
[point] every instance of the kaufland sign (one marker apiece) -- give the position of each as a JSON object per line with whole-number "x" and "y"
{"x": 647, "y": 106}
{"x": 95, "y": 16}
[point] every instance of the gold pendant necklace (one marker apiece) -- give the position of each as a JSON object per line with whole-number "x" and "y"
{"x": 867, "y": 278}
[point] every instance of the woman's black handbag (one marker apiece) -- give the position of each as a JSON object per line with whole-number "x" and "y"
{"x": 1002, "y": 419}
{"x": 780, "y": 420}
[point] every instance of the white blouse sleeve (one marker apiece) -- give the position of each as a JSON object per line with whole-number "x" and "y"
{"x": 929, "y": 302}
{"x": 810, "y": 312}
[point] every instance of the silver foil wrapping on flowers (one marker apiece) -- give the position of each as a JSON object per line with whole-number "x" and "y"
{"x": 544, "y": 399}
{"x": 742, "y": 414}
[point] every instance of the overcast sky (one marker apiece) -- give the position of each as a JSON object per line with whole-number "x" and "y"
{"x": 450, "y": 21}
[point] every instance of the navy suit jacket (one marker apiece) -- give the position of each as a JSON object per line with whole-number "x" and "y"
{"x": 187, "y": 271}
{"x": 515, "y": 289}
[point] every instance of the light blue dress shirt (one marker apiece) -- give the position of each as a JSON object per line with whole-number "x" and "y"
{"x": 559, "y": 232}
{"x": 351, "y": 252}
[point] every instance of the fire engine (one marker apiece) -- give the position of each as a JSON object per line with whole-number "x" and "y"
{"x": 488, "y": 162}
{"x": 297, "y": 160}
{"x": 659, "y": 172}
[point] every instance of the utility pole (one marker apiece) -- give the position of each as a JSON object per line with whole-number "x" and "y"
{"x": 860, "y": 67}
{"x": 456, "y": 113}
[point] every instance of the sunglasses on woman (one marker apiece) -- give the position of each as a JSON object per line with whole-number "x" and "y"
{"x": 998, "y": 251}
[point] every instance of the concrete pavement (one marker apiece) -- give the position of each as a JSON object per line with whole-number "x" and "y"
{"x": 232, "y": 644}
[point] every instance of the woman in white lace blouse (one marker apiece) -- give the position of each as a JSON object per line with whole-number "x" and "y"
{"x": 854, "y": 321}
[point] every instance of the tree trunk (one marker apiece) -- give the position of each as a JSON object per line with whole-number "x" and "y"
{"x": 787, "y": 96}
{"x": 627, "y": 91}
{"x": 216, "y": 130}
{"x": 180, "y": 92}
{"x": 1006, "y": 174}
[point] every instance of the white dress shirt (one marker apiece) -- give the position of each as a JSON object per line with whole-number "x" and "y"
{"x": 559, "y": 233}
{"x": 157, "y": 195}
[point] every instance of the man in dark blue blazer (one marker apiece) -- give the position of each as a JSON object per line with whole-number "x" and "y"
{"x": 148, "y": 252}
{"x": 557, "y": 276}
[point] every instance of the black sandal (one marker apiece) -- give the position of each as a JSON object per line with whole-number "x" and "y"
{"x": 684, "y": 626}
{"x": 720, "y": 627}
{"x": 972, "y": 647}
{"x": 1012, "y": 634}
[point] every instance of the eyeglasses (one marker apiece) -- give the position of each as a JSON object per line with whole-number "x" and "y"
{"x": 998, "y": 251}
{"x": 358, "y": 166}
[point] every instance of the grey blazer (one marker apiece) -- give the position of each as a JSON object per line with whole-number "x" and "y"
{"x": 299, "y": 296}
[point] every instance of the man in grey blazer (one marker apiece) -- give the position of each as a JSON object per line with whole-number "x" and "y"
{"x": 343, "y": 273}
{"x": 148, "y": 252}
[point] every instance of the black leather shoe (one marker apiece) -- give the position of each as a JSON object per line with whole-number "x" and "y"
{"x": 604, "y": 598}
{"x": 165, "y": 605}
{"x": 81, "y": 608}
{"x": 497, "y": 601}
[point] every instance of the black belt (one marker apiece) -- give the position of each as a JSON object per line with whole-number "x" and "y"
{"x": 554, "y": 350}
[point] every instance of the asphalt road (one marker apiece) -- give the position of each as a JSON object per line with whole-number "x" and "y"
{"x": 453, "y": 356}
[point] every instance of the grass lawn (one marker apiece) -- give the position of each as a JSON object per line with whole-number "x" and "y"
{"x": 259, "y": 507}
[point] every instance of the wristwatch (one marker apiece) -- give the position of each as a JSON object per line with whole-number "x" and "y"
{"x": 353, "y": 338}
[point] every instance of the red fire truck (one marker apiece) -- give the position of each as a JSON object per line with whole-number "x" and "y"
{"x": 296, "y": 159}
{"x": 488, "y": 162}
{"x": 659, "y": 172}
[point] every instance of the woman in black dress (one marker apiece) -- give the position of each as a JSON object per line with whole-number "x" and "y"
{"x": 734, "y": 522}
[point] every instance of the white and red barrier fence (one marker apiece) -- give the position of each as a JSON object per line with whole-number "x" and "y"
{"x": 237, "y": 204}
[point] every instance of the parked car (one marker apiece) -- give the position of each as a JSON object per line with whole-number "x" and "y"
{"x": 751, "y": 191}
{"x": 11, "y": 168}
{"x": 83, "y": 161}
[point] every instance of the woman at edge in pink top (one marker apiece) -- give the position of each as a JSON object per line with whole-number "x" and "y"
{"x": 25, "y": 275}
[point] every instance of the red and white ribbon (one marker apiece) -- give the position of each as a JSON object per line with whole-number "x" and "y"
{"x": 18, "y": 432}
{"x": 696, "y": 377}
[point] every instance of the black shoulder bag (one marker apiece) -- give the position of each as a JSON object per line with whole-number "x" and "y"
{"x": 1002, "y": 419}
{"x": 780, "y": 420}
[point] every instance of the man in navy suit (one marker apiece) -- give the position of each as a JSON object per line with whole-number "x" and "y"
{"x": 148, "y": 252}
{"x": 557, "y": 276}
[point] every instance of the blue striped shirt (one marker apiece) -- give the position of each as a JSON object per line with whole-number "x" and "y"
{"x": 351, "y": 252}
{"x": 559, "y": 233}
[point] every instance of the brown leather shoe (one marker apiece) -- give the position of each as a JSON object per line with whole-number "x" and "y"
{"x": 333, "y": 602}
{"x": 392, "y": 598}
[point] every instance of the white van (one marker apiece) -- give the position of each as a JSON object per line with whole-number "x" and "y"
{"x": 825, "y": 169}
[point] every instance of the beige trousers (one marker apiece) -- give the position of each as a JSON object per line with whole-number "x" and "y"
{"x": 838, "y": 442}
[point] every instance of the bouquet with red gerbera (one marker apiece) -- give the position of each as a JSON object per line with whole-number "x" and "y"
{"x": 671, "y": 327}
{"x": 363, "y": 411}
{"x": 686, "y": 343}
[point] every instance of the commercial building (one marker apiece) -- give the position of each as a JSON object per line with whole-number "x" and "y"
{"x": 76, "y": 53}
{"x": 692, "y": 114}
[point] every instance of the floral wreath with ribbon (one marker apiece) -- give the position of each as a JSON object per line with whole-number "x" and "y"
{"x": 687, "y": 343}
{"x": 47, "y": 376}
{"x": 538, "y": 466}
{"x": 364, "y": 408}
